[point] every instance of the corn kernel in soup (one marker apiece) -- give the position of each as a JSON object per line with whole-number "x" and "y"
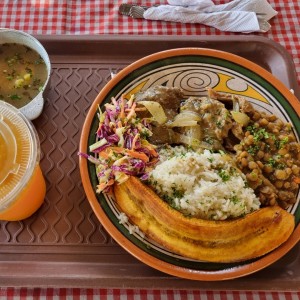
{"x": 23, "y": 73}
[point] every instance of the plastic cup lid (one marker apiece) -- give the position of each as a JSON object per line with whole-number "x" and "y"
{"x": 19, "y": 152}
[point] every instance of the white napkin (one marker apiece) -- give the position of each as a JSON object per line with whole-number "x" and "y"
{"x": 236, "y": 16}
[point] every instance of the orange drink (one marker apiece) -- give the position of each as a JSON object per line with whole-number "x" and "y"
{"x": 22, "y": 185}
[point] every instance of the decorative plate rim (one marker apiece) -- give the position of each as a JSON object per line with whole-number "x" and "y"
{"x": 112, "y": 229}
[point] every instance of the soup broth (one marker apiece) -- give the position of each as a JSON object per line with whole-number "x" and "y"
{"x": 23, "y": 73}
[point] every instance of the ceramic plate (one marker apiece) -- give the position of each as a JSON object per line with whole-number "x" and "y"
{"x": 193, "y": 70}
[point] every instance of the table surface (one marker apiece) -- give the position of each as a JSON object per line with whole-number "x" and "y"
{"x": 74, "y": 17}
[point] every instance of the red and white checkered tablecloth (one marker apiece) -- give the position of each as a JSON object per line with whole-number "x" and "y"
{"x": 101, "y": 17}
{"x": 140, "y": 294}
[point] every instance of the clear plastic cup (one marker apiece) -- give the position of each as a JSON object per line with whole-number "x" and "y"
{"x": 22, "y": 185}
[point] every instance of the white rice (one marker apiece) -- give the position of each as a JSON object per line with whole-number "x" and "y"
{"x": 123, "y": 219}
{"x": 204, "y": 185}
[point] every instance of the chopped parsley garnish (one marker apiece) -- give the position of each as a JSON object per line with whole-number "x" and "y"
{"x": 251, "y": 128}
{"x": 28, "y": 70}
{"x": 232, "y": 171}
{"x": 253, "y": 149}
{"x": 281, "y": 143}
{"x": 275, "y": 164}
{"x": 271, "y": 162}
{"x": 177, "y": 193}
{"x": 15, "y": 97}
{"x": 219, "y": 124}
{"x": 258, "y": 133}
{"x": 224, "y": 175}
{"x": 36, "y": 82}
{"x": 208, "y": 140}
{"x": 234, "y": 199}
{"x": 246, "y": 184}
{"x": 281, "y": 166}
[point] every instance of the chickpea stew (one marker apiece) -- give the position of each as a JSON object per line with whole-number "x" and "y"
{"x": 269, "y": 155}
{"x": 267, "y": 152}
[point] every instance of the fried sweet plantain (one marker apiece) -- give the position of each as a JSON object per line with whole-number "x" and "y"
{"x": 235, "y": 240}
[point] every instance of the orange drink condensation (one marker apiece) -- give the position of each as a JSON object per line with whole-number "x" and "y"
{"x": 22, "y": 185}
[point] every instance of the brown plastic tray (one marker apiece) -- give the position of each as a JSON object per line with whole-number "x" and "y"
{"x": 63, "y": 244}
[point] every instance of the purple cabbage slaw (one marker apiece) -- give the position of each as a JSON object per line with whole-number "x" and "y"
{"x": 121, "y": 148}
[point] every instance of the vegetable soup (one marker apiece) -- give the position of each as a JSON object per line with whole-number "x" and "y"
{"x": 23, "y": 73}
